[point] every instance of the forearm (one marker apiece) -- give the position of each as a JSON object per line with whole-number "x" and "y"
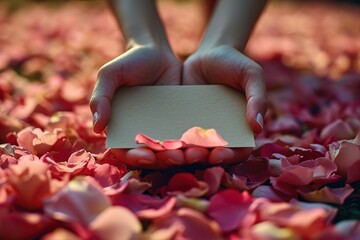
{"x": 232, "y": 23}
{"x": 139, "y": 21}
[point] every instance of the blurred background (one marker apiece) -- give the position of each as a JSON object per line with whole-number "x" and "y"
{"x": 317, "y": 36}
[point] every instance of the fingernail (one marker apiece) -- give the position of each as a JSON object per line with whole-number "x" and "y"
{"x": 95, "y": 118}
{"x": 260, "y": 120}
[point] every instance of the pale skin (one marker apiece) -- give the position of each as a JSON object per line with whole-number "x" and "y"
{"x": 149, "y": 59}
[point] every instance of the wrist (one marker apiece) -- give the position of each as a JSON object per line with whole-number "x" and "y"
{"x": 140, "y": 23}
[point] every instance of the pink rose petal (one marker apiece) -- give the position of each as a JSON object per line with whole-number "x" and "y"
{"x": 328, "y": 195}
{"x": 32, "y": 183}
{"x": 156, "y": 144}
{"x": 116, "y": 222}
{"x": 201, "y": 137}
{"x": 80, "y": 201}
{"x": 185, "y": 223}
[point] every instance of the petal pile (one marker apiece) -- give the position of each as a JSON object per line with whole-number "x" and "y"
{"x": 59, "y": 181}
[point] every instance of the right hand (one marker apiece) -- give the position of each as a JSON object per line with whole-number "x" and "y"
{"x": 140, "y": 65}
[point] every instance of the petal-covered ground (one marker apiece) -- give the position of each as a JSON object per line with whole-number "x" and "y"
{"x": 58, "y": 181}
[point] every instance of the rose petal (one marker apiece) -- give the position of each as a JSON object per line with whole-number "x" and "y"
{"x": 116, "y": 223}
{"x": 185, "y": 223}
{"x": 230, "y": 209}
{"x": 328, "y": 195}
{"x": 157, "y": 145}
{"x": 201, "y": 137}
{"x": 80, "y": 201}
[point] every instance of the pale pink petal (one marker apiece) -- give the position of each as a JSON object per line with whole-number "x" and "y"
{"x": 116, "y": 223}
{"x": 60, "y": 234}
{"x": 201, "y": 137}
{"x": 328, "y": 195}
{"x": 80, "y": 201}
{"x": 344, "y": 156}
{"x": 339, "y": 129}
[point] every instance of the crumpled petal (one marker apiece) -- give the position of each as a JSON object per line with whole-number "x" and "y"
{"x": 158, "y": 145}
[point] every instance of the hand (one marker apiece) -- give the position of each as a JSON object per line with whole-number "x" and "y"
{"x": 140, "y": 65}
{"x": 226, "y": 65}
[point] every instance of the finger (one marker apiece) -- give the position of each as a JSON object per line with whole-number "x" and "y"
{"x": 168, "y": 158}
{"x": 196, "y": 155}
{"x": 255, "y": 91}
{"x": 221, "y": 155}
{"x": 140, "y": 158}
{"x": 191, "y": 74}
{"x": 100, "y": 100}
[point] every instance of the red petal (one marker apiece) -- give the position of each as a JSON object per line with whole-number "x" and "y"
{"x": 230, "y": 209}
{"x": 182, "y": 182}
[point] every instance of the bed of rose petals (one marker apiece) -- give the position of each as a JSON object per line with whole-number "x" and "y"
{"x": 58, "y": 181}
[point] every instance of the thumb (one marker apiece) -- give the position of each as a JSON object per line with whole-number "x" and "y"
{"x": 100, "y": 100}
